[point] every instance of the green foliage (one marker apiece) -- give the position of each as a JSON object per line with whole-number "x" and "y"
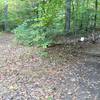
{"x": 49, "y": 20}
{"x": 36, "y": 31}
{"x": 18, "y": 12}
{"x": 43, "y": 53}
{"x": 50, "y": 98}
{"x": 40, "y": 30}
{"x": 36, "y": 22}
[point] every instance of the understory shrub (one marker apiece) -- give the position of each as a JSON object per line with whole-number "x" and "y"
{"x": 47, "y": 22}
{"x": 39, "y": 31}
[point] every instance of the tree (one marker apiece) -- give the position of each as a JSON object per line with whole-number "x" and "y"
{"x": 6, "y": 16}
{"x": 68, "y": 15}
{"x": 96, "y": 8}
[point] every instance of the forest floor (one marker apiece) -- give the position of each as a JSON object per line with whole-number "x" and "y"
{"x": 67, "y": 73}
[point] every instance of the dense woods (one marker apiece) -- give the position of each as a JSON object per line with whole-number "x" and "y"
{"x": 38, "y": 21}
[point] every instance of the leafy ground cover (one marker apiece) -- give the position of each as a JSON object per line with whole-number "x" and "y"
{"x": 62, "y": 75}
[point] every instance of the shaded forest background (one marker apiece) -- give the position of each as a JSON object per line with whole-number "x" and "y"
{"x": 39, "y": 21}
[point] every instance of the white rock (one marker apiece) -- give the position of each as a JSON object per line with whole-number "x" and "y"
{"x": 82, "y": 39}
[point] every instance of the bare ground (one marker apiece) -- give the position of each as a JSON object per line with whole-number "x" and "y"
{"x": 66, "y": 74}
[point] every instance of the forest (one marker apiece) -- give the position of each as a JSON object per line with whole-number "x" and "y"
{"x": 40, "y": 21}
{"x": 49, "y": 49}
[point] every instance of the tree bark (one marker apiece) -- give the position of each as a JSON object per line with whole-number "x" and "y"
{"x": 76, "y": 17}
{"x": 6, "y": 16}
{"x": 95, "y": 17}
{"x": 68, "y": 15}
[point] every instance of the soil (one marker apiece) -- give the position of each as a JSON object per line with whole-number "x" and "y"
{"x": 66, "y": 73}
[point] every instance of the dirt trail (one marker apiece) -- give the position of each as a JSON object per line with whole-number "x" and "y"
{"x": 26, "y": 76}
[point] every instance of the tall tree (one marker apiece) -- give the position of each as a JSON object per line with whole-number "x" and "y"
{"x": 76, "y": 16}
{"x": 68, "y": 15}
{"x": 6, "y": 15}
{"x": 95, "y": 17}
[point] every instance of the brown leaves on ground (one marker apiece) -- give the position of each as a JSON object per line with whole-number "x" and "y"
{"x": 63, "y": 75}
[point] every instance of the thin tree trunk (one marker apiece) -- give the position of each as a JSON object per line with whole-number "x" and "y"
{"x": 6, "y": 16}
{"x": 87, "y": 15}
{"x": 95, "y": 17}
{"x": 68, "y": 15}
{"x": 82, "y": 16}
{"x": 76, "y": 16}
{"x": 73, "y": 15}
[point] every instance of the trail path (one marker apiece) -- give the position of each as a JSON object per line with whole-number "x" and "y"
{"x": 26, "y": 76}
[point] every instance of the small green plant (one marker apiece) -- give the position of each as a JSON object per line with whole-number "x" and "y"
{"x": 50, "y": 98}
{"x": 43, "y": 53}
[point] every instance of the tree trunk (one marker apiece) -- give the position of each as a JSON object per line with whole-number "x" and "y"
{"x": 76, "y": 17}
{"x": 68, "y": 15}
{"x": 6, "y": 16}
{"x": 95, "y": 17}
